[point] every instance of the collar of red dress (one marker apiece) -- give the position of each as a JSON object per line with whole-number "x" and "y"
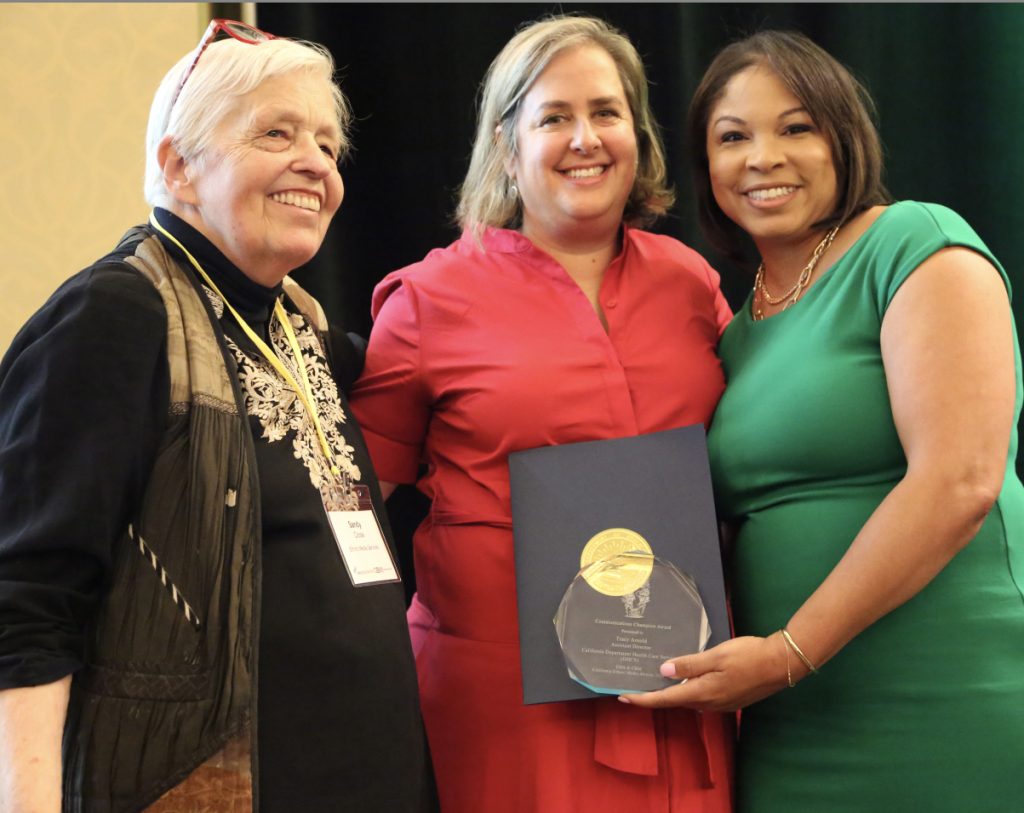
{"x": 510, "y": 241}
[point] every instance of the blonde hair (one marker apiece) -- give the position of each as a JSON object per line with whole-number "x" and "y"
{"x": 486, "y": 197}
{"x": 227, "y": 70}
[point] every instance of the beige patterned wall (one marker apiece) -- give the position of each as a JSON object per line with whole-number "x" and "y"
{"x": 76, "y": 80}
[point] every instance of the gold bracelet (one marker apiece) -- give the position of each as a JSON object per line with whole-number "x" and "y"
{"x": 798, "y": 651}
{"x": 789, "y": 673}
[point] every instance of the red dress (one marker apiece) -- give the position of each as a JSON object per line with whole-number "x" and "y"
{"x": 475, "y": 354}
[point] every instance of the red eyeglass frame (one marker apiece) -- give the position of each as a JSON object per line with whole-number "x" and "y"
{"x": 221, "y": 26}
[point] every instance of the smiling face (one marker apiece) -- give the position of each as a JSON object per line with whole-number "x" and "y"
{"x": 771, "y": 167}
{"x": 577, "y": 152}
{"x": 266, "y": 190}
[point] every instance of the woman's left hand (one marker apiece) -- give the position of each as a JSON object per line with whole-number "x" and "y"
{"x": 727, "y": 677}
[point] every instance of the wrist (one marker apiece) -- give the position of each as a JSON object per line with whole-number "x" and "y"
{"x": 798, "y": 665}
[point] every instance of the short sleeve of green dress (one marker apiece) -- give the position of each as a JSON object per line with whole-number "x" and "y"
{"x": 924, "y": 710}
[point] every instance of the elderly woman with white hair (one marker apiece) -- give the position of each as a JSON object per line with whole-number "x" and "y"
{"x": 197, "y": 594}
{"x": 554, "y": 319}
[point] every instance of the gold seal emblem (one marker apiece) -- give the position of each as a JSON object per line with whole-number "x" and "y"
{"x": 616, "y": 561}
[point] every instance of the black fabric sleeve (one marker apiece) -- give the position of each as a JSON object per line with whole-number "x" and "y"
{"x": 346, "y": 354}
{"x": 84, "y": 390}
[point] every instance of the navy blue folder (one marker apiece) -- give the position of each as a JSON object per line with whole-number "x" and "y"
{"x": 658, "y": 485}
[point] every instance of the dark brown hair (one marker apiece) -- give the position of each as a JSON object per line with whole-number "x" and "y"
{"x": 835, "y": 100}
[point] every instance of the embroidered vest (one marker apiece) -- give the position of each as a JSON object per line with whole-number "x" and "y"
{"x": 163, "y": 715}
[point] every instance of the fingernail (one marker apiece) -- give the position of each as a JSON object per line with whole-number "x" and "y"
{"x": 668, "y": 670}
{"x": 624, "y": 699}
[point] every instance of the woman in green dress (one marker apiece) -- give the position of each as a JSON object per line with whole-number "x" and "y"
{"x": 864, "y": 450}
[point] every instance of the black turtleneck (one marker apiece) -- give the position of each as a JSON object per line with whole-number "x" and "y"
{"x": 254, "y": 302}
{"x": 84, "y": 389}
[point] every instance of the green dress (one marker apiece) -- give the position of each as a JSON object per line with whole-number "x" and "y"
{"x": 924, "y": 710}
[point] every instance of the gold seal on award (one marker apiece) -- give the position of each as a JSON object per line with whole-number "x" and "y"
{"x": 616, "y": 561}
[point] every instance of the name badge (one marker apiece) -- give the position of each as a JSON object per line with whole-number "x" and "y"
{"x": 361, "y": 542}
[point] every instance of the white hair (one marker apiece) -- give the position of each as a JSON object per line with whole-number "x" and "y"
{"x": 227, "y": 70}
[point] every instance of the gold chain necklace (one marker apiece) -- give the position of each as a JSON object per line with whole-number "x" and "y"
{"x": 762, "y": 294}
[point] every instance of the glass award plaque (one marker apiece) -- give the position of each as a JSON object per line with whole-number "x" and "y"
{"x": 625, "y": 613}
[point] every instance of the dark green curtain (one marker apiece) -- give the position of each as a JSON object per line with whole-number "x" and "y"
{"x": 948, "y": 80}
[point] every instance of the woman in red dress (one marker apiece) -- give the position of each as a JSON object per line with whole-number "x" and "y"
{"x": 554, "y": 319}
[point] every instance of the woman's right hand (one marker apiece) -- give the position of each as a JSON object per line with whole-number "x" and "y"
{"x": 727, "y": 677}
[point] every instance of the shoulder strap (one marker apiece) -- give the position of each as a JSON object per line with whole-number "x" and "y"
{"x": 307, "y": 305}
{"x": 197, "y": 366}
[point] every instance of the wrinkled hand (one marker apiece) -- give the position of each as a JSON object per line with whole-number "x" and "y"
{"x": 727, "y": 677}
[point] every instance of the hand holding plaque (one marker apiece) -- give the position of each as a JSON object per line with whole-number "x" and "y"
{"x": 625, "y": 613}
{"x": 645, "y": 504}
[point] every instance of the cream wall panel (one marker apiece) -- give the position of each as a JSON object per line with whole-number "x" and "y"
{"x": 76, "y": 80}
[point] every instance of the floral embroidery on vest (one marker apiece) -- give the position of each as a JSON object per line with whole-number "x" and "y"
{"x": 279, "y": 410}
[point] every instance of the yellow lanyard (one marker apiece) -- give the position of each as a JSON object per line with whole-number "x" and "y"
{"x": 305, "y": 392}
